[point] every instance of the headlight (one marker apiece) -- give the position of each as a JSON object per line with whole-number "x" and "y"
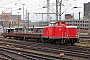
{"x": 67, "y": 35}
{"x": 76, "y": 35}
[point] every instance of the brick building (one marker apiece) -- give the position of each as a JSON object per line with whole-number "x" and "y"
{"x": 8, "y": 18}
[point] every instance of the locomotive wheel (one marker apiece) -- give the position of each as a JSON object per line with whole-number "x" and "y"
{"x": 72, "y": 43}
{"x": 58, "y": 42}
{"x": 66, "y": 42}
{"x": 53, "y": 42}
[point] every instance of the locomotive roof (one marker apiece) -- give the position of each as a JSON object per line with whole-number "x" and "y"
{"x": 71, "y": 26}
{"x": 52, "y": 22}
{"x": 56, "y": 22}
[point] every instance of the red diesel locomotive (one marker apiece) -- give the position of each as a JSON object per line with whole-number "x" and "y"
{"x": 57, "y": 33}
{"x": 61, "y": 33}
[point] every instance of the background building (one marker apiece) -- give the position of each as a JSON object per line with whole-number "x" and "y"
{"x": 38, "y": 24}
{"x": 83, "y": 23}
{"x": 86, "y": 9}
{"x": 68, "y": 16}
{"x": 7, "y": 18}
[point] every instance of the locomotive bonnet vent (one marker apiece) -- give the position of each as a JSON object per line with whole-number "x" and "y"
{"x": 71, "y": 26}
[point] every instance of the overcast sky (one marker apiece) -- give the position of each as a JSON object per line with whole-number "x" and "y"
{"x": 35, "y": 6}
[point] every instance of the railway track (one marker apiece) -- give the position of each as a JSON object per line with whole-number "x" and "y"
{"x": 3, "y": 58}
{"x": 76, "y": 51}
{"x": 12, "y": 53}
{"x": 25, "y": 55}
{"x": 84, "y": 36}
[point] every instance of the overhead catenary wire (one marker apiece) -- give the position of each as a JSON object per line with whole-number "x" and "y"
{"x": 65, "y": 9}
{"x": 5, "y": 4}
{"x": 11, "y": 2}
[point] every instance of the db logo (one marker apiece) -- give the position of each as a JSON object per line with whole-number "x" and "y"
{"x": 60, "y": 29}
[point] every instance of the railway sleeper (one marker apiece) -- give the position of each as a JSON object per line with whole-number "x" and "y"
{"x": 8, "y": 56}
{"x": 46, "y": 57}
{"x": 3, "y": 58}
{"x": 35, "y": 55}
{"x": 78, "y": 55}
{"x": 28, "y": 57}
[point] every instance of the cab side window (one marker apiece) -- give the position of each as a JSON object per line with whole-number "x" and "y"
{"x": 56, "y": 24}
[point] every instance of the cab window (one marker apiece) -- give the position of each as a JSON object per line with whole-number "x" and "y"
{"x": 56, "y": 24}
